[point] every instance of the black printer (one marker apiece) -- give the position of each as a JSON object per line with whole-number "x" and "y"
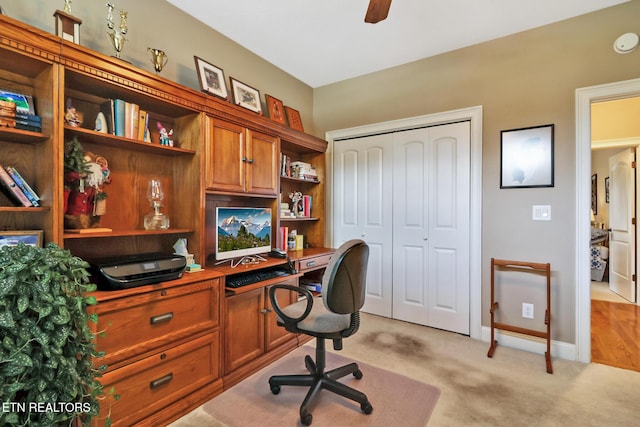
{"x": 123, "y": 272}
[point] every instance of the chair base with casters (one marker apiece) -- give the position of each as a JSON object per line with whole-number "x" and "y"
{"x": 318, "y": 379}
{"x": 334, "y": 315}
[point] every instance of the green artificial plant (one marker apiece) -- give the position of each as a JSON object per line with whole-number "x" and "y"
{"x": 47, "y": 347}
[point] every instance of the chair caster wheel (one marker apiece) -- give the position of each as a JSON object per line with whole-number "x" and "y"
{"x": 275, "y": 389}
{"x": 358, "y": 374}
{"x": 366, "y": 408}
{"x": 306, "y": 419}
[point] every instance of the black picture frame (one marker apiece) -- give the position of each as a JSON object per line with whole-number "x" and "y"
{"x": 527, "y": 157}
{"x": 211, "y": 78}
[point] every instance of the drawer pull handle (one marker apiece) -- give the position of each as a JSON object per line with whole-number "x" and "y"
{"x": 161, "y": 318}
{"x": 311, "y": 263}
{"x": 160, "y": 381}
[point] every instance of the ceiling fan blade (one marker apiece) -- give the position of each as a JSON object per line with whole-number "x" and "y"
{"x": 377, "y": 11}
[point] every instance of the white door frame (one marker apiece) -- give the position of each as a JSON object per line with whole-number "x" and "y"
{"x": 474, "y": 114}
{"x": 584, "y": 98}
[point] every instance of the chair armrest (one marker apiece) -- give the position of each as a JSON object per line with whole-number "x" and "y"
{"x": 276, "y": 307}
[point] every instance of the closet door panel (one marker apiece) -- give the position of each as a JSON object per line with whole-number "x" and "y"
{"x": 449, "y": 186}
{"x": 410, "y": 220}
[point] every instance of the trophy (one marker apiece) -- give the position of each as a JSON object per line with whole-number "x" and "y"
{"x": 116, "y": 35}
{"x": 158, "y": 59}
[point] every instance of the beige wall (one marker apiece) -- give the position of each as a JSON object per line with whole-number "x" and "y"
{"x": 523, "y": 80}
{"x": 527, "y": 79}
{"x": 158, "y": 24}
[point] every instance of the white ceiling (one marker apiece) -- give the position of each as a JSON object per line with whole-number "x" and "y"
{"x": 324, "y": 41}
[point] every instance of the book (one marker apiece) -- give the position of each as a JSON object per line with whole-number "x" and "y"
{"x": 107, "y": 109}
{"x": 142, "y": 124}
{"x": 119, "y": 111}
{"x": 24, "y": 186}
{"x": 306, "y": 205}
{"x": 131, "y": 119}
{"x": 12, "y": 190}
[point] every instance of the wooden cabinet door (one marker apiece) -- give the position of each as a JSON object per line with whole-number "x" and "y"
{"x": 262, "y": 167}
{"x": 225, "y": 156}
{"x": 244, "y": 329}
{"x": 275, "y": 335}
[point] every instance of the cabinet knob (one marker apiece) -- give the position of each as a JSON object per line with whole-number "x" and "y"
{"x": 250, "y": 160}
{"x": 244, "y": 159}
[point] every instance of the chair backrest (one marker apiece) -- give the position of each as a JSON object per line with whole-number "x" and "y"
{"x": 344, "y": 280}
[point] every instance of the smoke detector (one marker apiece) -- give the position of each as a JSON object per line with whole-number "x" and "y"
{"x": 626, "y": 43}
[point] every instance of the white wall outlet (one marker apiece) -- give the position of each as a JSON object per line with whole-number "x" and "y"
{"x": 527, "y": 310}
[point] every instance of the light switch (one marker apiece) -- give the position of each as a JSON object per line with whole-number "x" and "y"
{"x": 542, "y": 213}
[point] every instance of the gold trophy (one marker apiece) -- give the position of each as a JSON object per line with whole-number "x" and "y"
{"x": 158, "y": 59}
{"x": 116, "y": 35}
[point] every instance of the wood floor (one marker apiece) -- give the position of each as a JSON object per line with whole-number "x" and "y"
{"x": 615, "y": 334}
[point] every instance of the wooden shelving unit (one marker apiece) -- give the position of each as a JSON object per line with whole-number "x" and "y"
{"x": 521, "y": 265}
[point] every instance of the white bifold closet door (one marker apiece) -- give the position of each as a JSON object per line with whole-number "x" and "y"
{"x": 407, "y": 195}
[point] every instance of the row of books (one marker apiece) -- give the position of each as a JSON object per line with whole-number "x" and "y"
{"x": 17, "y": 188}
{"x": 126, "y": 119}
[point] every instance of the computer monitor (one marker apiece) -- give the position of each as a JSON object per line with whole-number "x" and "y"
{"x": 242, "y": 232}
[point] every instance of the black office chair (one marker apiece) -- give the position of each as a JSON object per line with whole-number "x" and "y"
{"x": 334, "y": 315}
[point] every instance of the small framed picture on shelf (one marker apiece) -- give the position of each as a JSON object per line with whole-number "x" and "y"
{"x": 275, "y": 108}
{"x": 246, "y": 96}
{"x": 293, "y": 117}
{"x": 14, "y": 238}
{"x": 211, "y": 78}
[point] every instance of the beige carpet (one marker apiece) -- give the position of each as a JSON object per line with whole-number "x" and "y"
{"x": 250, "y": 403}
{"x": 510, "y": 389}
{"x": 601, "y": 291}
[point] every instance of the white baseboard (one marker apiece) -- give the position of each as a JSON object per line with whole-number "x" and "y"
{"x": 536, "y": 345}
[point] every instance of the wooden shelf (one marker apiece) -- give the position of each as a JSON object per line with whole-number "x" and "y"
{"x": 21, "y": 136}
{"x": 125, "y": 233}
{"x": 21, "y": 209}
{"x": 94, "y": 137}
{"x": 302, "y": 180}
{"x": 299, "y": 219}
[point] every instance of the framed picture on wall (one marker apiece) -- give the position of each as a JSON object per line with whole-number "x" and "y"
{"x": 526, "y": 157}
{"x": 211, "y": 78}
{"x": 245, "y": 96}
{"x": 606, "y": 189}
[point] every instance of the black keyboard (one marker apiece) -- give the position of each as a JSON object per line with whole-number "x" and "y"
{"x": 244, "y": 279}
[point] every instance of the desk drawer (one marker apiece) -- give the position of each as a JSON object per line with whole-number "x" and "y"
{"x": 156, "y": 381}
{"x": 313, "y": 263}
{"x": 138, "y": 324}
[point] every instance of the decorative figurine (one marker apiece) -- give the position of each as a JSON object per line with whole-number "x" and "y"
{"x": 296, "y": 205}
{"x": 158, "y": 59}
{"x": 117, "y": 34}
{"x": 165, "y": 137}
{"x": 71, "y": 116}
{"x": 67, "y": 25}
